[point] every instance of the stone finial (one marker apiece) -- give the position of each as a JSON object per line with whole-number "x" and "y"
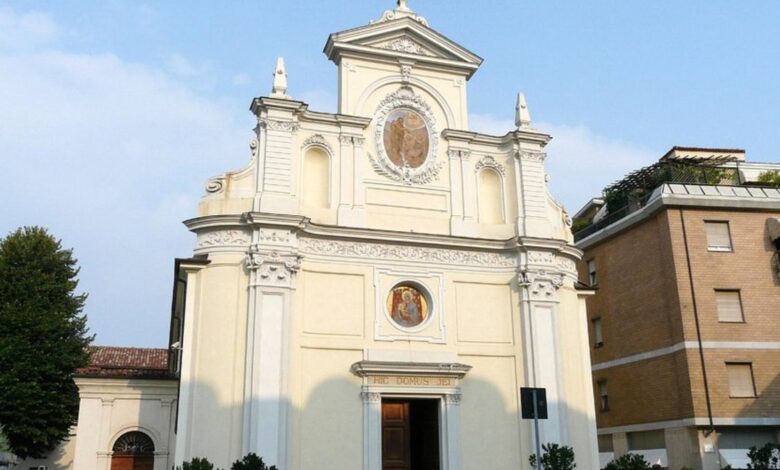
{"x": 279, "y": 89}
{"x": 522, "y": 115}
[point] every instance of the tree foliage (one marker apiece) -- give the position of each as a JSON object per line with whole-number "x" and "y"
{"x": 766, "y": 457}
{"x": 771, "y": 177}
{"x": 251, "y": 462}
{"x": 628, "y": 462}
{"x": 197, "y": 463}
{"x": 43, "y": 340}
{"x": 555, "y": 457}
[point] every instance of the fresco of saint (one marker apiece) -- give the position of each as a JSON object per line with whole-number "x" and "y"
{"x": 406, "y": 138}
{"x": 407, "y": 306}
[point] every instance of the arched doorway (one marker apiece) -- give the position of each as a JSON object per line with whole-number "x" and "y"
{"x": 133, "y": 451}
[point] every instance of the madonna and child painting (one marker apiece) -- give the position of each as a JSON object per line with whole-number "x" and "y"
{"x": 407, "y": 306}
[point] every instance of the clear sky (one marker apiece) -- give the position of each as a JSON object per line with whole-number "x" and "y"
{"x": 116, "y": 112}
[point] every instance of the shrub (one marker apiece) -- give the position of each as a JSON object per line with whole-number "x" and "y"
{"x": 555, "y": 457}
{"x": 764, "y": 458}
{"x": 197, "y": 463}
{"x": 251, "y": 462}
{"x": 628, "y": 462}
{"x": 770, "y": 177}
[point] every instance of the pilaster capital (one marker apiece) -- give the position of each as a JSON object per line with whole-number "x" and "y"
{"x": 272, "y": 268}
{"x": 541, "y": 284}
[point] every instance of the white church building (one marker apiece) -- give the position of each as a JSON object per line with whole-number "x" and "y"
{"x": 370, "y": 291}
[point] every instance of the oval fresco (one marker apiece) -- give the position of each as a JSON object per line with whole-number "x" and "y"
{"x": 406, "y": 138}
{"x": 407, "y": 306}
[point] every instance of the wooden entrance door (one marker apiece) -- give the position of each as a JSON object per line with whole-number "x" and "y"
{"x": 410, "y": 435}
{"x": 132, "y": 462}
{"x": 395, "y": 435}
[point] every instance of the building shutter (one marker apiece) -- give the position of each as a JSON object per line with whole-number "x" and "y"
{"x": 741, "y": 380}
{"x": 718, "y": 237}
{"x": 729, "y": 306}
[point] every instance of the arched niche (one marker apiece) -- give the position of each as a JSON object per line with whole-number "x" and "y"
{"x": 316, "y": 181}
{"x": 490, "y": 196}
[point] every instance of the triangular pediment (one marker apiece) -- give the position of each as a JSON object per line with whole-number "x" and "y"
{"x": 402, "y": 38}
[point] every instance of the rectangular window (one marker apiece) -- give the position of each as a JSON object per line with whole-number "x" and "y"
{"x": 729, "y": 305}
{"x": 718, "y": 236}
{"x": 592, "y": 272}
{"x": 741, "y": 383}
{"x": 603, "y": 395}
{"x": 597, "y": 335}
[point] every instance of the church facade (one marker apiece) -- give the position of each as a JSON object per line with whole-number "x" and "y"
{"x": 375, "y": 286}
{"x": 373, "y": 289}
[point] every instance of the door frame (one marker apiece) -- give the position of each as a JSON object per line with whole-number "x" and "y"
{"x": 411, "y": 380}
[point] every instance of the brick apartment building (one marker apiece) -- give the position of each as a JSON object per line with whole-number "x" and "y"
{"x": 685, "y": 344}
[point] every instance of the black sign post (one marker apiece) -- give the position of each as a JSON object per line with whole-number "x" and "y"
{"x": 533, "y": 405}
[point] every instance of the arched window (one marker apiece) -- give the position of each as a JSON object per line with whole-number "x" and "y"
{"x": 133, "y": 451}
{"x": 491, "y": 197}
{"x": 316, "y": 178}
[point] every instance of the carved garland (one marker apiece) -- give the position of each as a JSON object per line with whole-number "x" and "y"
{"x": 490, "y": 162}
{"x": 405, "y": 45}
{"x": 428, "y": 171}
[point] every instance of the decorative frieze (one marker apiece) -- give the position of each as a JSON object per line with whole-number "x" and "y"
{"x": 223, "y": 238}
{"x": 426, "y": 255}
{"x": 279, "y": 125}
{"x": 532, "y": 156}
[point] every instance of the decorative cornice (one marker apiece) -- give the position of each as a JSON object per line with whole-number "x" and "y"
{"x": 317, "y": 140}
{"x": 490, "y": 162}
{"x": 428, "y": 255}
{"x": 429, "y": 170}
{"x": 372, "y": 368}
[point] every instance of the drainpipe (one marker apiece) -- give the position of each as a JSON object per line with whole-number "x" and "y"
{"x": 698, "y": 329}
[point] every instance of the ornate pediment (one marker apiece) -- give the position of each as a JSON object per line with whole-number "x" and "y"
{"x": 404, "y": 38}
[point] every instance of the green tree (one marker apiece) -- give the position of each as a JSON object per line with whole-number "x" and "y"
{"x": 766, "y": 457}
{"x": 43, "y": 340}
{"x": 555, "y": 457}
{"x": 251, "y": 462}
{"x": 628, "y": 462}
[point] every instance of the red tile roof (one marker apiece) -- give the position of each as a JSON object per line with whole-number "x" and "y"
{"x": 116, "y": 362}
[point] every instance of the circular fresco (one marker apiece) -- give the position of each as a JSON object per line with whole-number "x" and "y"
{"x": 407, "y": 305}
{"x": 406, "y": 138}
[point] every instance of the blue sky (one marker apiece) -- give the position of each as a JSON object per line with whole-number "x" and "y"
{"x": 116, "y": 112}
